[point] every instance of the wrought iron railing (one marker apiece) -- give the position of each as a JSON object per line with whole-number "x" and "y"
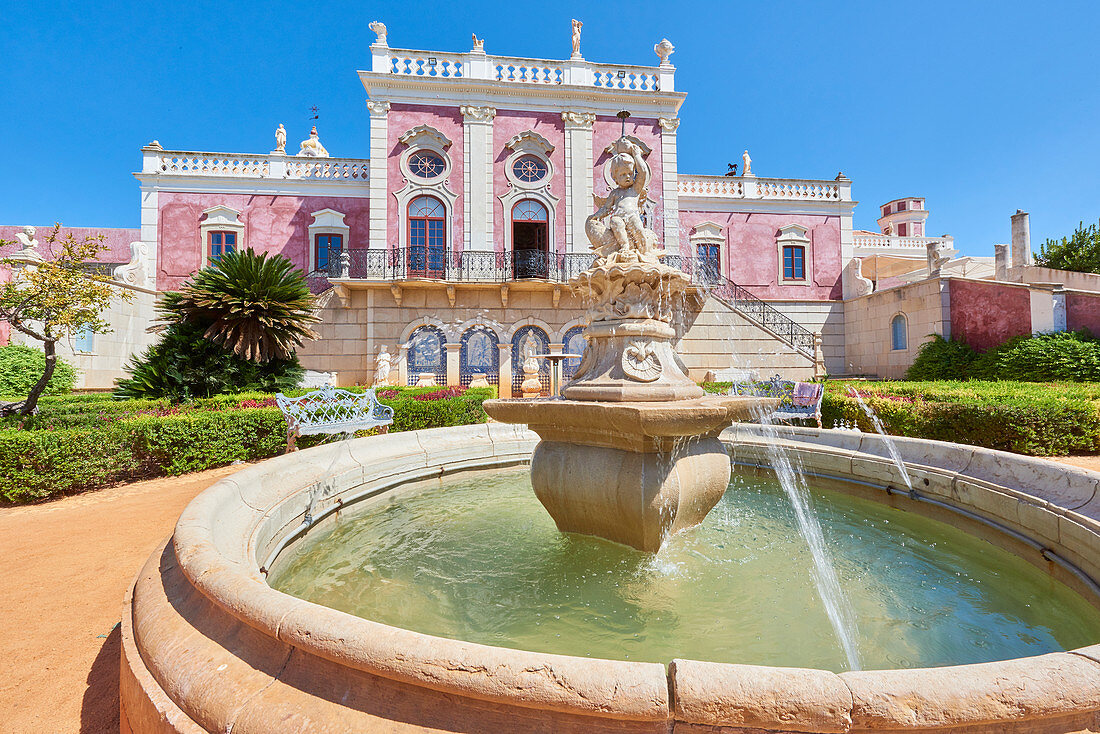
{"x": 498, "y": 267}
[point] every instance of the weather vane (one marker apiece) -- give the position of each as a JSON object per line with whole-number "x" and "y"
{"x": 316, "y": 113}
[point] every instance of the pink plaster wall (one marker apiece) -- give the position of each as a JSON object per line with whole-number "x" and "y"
{"x": 1083, "y": 312}
{"x": 5, "y": 327}
{"x": 985, "y": 314}
{"x": 447, "y": 120}
{"x": 550, "y": 126}
{"x": 278, "y": 224}
{"x": 750, "y": 255}
{"x": 116, "y": 245}
{"x": 607, "y": 130}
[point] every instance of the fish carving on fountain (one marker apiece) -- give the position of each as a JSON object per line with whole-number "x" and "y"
{"x": 631, "y": 451}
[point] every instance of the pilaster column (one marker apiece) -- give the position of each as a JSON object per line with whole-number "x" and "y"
{"x": 477, "y": 179}
{"x": 379, "y": 178}
{"x": 670, "y": 182}
{"x": 578, "y": 177}
{"x": 504, "y": 378}
{"x": 403, "y": 364}
{"x": 453, "y": 367}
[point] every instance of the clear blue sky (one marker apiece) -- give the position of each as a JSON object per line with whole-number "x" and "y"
{"x": 981, "y": 107}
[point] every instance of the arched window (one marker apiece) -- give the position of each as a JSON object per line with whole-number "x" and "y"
{"x": 427, "y": 238}
{"x": 479, "y": 354}
{"x": 574, "y": 343}
{"x": 898, "y": 336}
{"x": 530, "y": 340}
{"x": 427, "y": 354}
{"x": 530, "y": 239}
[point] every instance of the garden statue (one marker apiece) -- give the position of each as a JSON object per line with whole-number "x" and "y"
{"x": 577, "y": 38}
{"x": 746, "y": 169}
{"x": 531, "y": 385}
{"x": 616, "y": 229}
{"x": 280, "y": 139}
{"x": 311, "y": 146}
{"x": 27, "y": 240}
{"x": 383, "y": 365}
{"x": 939, "y": 254}
{"x": 379, "y": 29}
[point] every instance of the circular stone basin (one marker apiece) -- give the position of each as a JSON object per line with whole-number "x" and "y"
{"x": 209, "y": 646}
{"x": 477, "y": 558}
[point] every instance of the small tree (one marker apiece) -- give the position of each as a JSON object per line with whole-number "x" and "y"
{"x": 1080, "y": 252}
{"x": 51, "y": 299}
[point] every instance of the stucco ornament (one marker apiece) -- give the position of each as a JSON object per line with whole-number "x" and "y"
{"x": 664, "y": 49}
{"x": 746, "y": 169}
{"x": 311, "y": 146}
{"x": 280, "y": 139}
{"x": 640, "y": 361}
{"x": 939, "y": 253}
{"x": 577, "y": 38}
{"x": 134, "y": 272}
{"x": 379, "y": 29}
{"x": 383, "y": 366}
{"x": 860, "y": 284}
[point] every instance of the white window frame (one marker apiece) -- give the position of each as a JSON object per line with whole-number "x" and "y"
{"x": 798, "y": 236}
{"x": 326, "y": 221}
{"x": 522, "y": 144}
{"x": 219, "y": 219}
{"x": 425, "y": 137}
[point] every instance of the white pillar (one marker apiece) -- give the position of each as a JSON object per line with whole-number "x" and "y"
{"x": 504, "y": 380}
{"x": 670, "y": 183}
{"x": 578, "y": 177}
{"x": 379, "y": 162}
{"x": 477, "y": 179}
{"x": 1021, "y": 239}
{"x": 849, "y": 288}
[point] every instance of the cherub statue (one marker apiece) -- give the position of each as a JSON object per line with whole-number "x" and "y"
{"x": 280, "y": 139}
{"x": 577, "y": 38}
{"x": 311, "y": 146}
{"x": 616, "y": 226}
{"x": 379, "y": 29}
{"x": 27, "y": 240}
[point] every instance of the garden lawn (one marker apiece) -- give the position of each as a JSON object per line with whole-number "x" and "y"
{"x": 82, "y": 442}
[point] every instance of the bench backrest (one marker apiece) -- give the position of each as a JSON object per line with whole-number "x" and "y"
{"x": 776, "y": 387}
{"x": 330, "y": 405}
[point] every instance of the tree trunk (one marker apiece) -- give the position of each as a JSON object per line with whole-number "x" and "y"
{"x": 49, "y": 346}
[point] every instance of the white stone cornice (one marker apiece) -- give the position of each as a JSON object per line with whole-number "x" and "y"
{"x": 582, "y": 120}
{"x": 425, "y": 135}
{"x": 378, "y": 107}
{"x": 473, "y": 113}
{"x": 668, "y": 124}
{"x": 529, "y": 140}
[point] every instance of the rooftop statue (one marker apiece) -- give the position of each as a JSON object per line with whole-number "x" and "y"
{"x": 746, "y": 170}
{"x": 311, "y": 146}
{"x": 664, "y": 49}
{"x": 616, "y": 229}
{"x": 577, "y": 38}
{"x": 479, "y": 44}
{"x": 379, "y": 29}
{"x": 280, "y": 139}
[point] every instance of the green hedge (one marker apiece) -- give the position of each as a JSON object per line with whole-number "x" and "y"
{"x": 1060, "y": 356}
{"x": 87, "y": 442}
{"x": 21, "y": 367}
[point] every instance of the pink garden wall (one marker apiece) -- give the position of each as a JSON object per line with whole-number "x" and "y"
{"x": 750, "y": 254}
{"x": 116, "y": 243}
{"x": 1083, "y": 311}
{"x": 278, "y": 224}
{"x": 985, "y": 313}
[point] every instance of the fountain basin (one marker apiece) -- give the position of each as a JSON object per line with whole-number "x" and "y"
{"x": 208, "y": 645}
{"x": 635, "y": 472}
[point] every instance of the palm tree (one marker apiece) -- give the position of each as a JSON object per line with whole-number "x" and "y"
{"x": 257, "y": 307}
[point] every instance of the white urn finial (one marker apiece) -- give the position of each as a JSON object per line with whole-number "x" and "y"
{"x": 664, "y": 49}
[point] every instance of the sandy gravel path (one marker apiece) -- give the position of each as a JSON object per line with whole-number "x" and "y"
{"x": 64, "y": 569}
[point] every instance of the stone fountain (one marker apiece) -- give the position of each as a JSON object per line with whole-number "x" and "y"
{"x": 631, "y": 453}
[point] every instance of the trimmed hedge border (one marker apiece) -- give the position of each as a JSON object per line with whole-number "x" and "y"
{"x": 1036, "y": 419}
{"x": 86, "y": 442}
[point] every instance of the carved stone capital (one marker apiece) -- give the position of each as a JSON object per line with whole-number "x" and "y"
{"x": 471, "y": 113}
{"x": 378, "y": 107}
{"x": 669, "y": 124}
{"x": 582, "y": 120}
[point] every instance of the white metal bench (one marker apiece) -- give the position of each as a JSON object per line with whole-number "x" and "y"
{"x": 331, "y": 410}
{"x": 777, "y": 387}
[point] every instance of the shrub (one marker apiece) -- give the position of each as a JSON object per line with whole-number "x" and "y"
{"x": 83, "y": 442}
{"x": 185, "y": 365}
{"x": 942, "y": 359}
{"x": 20, "y": 368}
{"x": 1054, "y": 357}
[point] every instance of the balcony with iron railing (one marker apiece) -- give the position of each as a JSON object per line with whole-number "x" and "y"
{"x": 448, "y": 266}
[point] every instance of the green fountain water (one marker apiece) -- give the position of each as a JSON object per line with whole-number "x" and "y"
{"x": 477, "y": 558}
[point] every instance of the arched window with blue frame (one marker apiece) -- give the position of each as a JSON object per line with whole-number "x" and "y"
{"x": 899, "y": 338}
{"x": 574, "y": 343}
{"x": 480, "y": 353}
{"x": 427, "y": 353}
{"x": 533, "y": 340}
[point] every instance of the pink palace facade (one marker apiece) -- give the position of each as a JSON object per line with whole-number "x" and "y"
{"x": 467, "y": 219}
{"x": 450, "y": 245}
